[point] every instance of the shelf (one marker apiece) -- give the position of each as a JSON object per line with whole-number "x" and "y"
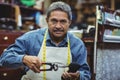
{"x": 109, "y": 24}
{"x": 30, "y": 9}
{"x": 110, "y": 38}
{"x": 7, "y": 11}
{"x": 15, "y": 17}
{"x": 113, "y": 25}
{"x": 88, "y": 40}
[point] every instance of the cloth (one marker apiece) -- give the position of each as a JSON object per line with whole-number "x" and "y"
{"x": 31, "y": 42}
{"x": 53, "y": 54}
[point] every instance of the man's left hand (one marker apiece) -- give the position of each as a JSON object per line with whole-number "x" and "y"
{"x": 71, "y": 76}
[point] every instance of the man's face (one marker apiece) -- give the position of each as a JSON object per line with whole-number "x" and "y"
{"x": 58, "y": 23}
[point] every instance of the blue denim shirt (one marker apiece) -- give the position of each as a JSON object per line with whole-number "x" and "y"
{"x": 30, "y": 44}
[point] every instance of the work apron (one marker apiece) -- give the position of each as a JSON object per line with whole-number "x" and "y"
{"x": 51, "y": 54}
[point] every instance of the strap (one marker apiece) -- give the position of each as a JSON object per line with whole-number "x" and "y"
{"x": 44, "y": 54}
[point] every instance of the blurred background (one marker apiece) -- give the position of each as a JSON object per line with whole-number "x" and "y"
{"x": 20, "y": 16}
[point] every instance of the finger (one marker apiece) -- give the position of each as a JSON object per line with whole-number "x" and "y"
{"x": 36, "y": 63}
{"x": 78, "y": 73}
{"x": 35, "y": 69}
{"x": 66, "y": 75}
{"x": 39, "y": 63}
{"x": 75, "y": 75}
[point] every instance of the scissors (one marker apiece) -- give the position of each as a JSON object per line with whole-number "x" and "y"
{"x": 73, "y": 67}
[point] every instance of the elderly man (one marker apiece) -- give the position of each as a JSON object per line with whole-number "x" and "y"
{"x": 52, "y": 44}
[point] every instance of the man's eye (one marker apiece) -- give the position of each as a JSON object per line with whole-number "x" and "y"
{"x": 54, "y": 21}
{"x": 63, "y": 21}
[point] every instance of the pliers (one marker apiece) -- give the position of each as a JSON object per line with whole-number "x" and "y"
{"x": 53, "y": 66}
{"x": 73, "y": 67}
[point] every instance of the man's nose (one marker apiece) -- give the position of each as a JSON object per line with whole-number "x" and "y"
{"x": 58, "y": 24}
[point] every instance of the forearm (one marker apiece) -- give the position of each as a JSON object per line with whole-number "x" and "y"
{"x": 11, "y": 60}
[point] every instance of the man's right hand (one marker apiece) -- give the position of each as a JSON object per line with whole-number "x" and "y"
{"x": 33, "y": 62}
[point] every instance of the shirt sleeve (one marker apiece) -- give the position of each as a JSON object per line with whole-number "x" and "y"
{"x": 84, "y": 70}
{"x": 27, "y": 44}
{"x": 82, "y": 59}
{"x": 14, "y": 54}
{"x": 79, "y": 54}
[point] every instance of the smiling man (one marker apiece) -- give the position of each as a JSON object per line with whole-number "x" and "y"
{"x": 52, "y": 44}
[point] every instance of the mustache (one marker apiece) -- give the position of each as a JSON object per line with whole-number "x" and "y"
{"x": 58, "y": 30}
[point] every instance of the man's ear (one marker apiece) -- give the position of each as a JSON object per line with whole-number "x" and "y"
{"x": 47, "y": 20}
{"x": 70, "y": 22}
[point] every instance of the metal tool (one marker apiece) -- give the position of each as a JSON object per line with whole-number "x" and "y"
{"x": 52, "y": 66}
{"x": 73, "y": 67}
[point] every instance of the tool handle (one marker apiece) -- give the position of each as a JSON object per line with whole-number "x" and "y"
{"x": 73, "y": 67}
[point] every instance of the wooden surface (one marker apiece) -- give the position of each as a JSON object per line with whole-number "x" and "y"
{"x": 7, "y": 38}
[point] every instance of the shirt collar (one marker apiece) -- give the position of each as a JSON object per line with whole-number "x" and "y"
{"x": 48, "y": 38}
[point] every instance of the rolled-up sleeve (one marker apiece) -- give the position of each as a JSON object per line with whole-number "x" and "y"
{"x": 13, "y": 55}
{"x": 27, "y": 44}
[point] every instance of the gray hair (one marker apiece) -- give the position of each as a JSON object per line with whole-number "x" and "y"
{"x": 59, "y": 5}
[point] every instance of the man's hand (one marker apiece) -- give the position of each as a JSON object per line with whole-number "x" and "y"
{"x": 33, "y": 62}
{"x": 70, "y": 76}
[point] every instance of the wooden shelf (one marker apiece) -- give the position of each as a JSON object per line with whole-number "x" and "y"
{"x": 88, "y": 40}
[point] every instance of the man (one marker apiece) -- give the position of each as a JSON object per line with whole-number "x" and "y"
{"x": 54, "y": 44}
